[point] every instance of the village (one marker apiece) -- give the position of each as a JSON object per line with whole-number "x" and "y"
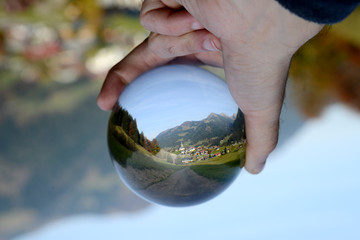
{"x": 190, "y": 154}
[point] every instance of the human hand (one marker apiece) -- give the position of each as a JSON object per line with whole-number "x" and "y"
{"x": 257, "y": 40}
{"x": 158, "y": 50}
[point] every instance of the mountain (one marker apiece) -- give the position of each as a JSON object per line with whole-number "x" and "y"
{"x": 207, "y": 131}
{"x": 237, "y": 130}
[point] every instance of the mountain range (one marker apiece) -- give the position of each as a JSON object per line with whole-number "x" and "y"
{"x": 208, "y": 131}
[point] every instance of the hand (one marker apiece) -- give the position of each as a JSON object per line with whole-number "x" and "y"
{"x": 194, "y": 47}
{"x": 257, "y": 40}
{"x": 155, "y": 51}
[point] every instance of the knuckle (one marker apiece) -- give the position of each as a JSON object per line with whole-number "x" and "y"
{"x": 192, "y": 45}
{"x": 158, "y": 46}
{"x": 113, "y": 70}
{"x": 152, "y": 37}
{"x": 153, "y": 42}
{"x": 171, "y": 50}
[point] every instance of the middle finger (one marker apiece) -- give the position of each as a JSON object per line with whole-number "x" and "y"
{"x": 167, "y": 19}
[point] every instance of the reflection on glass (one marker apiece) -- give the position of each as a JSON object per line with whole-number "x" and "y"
{"x": 176, "y": 136}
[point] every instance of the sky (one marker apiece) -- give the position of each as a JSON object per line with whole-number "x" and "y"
{"x": 309, "y": 189}
{"x": 166, "y": 97}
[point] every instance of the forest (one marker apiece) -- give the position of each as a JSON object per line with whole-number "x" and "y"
{"x": 121, "y": 117}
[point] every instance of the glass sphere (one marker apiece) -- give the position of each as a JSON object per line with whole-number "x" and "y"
{"x": 176, "y": 136}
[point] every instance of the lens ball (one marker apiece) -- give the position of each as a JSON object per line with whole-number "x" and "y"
{"x": 176, "y": 136}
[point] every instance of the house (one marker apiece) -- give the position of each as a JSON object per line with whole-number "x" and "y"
{"x": 217, "y": 154}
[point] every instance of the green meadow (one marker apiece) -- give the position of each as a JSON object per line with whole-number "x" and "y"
{"x": 129, "y": 154}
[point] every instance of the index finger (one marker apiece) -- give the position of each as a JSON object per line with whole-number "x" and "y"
{"x": 140, "y": 60}
{"x": 148, "y": 55}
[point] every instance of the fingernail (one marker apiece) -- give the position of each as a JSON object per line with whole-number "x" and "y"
{"x": 196, "y": 26}
{"x": 210, "y": 45}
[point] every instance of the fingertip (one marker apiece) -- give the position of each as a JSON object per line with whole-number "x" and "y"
{"x": 103, "y": 104}
{"x": 262, "y": 133}
{"x": 255, "y": 168}
{"x": 255, "y": 160}
{"x": 109, "y": 94}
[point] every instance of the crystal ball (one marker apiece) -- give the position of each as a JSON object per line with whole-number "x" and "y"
{"x": 176, "y": 136}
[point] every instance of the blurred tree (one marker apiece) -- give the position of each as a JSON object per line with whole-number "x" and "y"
{"x": 133, "y": 131}
{"x": 155, "y": 146}
{"x": 148, "y": 145}
{"x": 327, "y": 68}
{"x": 88, "y": 11}
{"x": 142, "y": 139}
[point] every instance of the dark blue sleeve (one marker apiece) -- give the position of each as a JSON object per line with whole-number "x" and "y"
{"x": 321, "y": 11}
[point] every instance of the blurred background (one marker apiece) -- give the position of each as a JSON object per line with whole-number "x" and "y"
{"x": 54, "y": 163}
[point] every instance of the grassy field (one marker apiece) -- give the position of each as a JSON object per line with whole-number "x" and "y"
{"x": 225, "y": 159}
{"x": 223, "y": 168}
{"x": 127, "y": 153}
{"x": 119, "y": 140}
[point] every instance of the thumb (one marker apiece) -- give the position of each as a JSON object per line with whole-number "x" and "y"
{"x": 262, "y": 136}
{"x": 258, "y": 89}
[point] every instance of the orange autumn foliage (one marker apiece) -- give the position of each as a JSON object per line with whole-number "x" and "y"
{"x": 326, "y": 70}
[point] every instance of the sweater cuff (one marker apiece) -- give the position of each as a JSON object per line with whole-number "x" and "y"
{"x": 321, "y": 11}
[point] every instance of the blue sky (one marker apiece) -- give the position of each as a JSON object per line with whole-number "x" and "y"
{"x": 310, "y": 189}
{"x": 166, "y": 97}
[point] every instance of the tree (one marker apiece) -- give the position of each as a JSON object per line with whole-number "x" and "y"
{"x": 136, "y": 134}
{"x": 133, "y": 131}
{"x": 237, "y": 131}
{"x": 148, "y": 145}
{"x": 142, "y": 139}
{"x": 155, "y": 146}
{"x": 126, "y": 119}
